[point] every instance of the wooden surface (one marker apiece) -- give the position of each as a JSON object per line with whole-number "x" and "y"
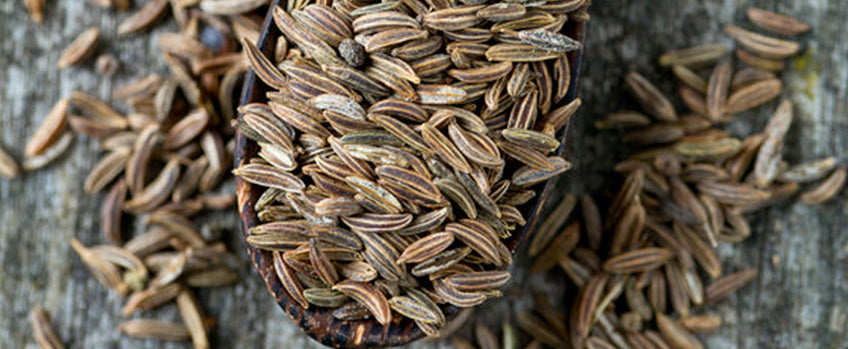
{"x": 801, "y": 252}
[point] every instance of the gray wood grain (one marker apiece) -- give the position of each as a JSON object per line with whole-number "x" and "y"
{"x": 797, "y": 302}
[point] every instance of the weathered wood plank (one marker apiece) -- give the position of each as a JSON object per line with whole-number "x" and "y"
{"x": 796, "y": 303}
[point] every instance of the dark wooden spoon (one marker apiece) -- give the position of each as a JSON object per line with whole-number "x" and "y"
{"x": 317, "y": 322}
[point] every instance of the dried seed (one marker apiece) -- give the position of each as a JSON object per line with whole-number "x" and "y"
{"x": 808, "y": 172}
{"x": 151, "y": 298}
{"x": 325, "y": 297}
{"x": 549, "y": 40}
{"x": 547, "y": 230}
{"x": 369, "y": 296}
{"x": 104, "y": 271}
{"x": 264, "y": 68}
{"x": 733, "y": 194}
{"x": 690, "y": 78}
{"x": 676, "y": 335}
{"x": 622, "y": 119}
{"x": 8, "y": 166}
{"x": 157, "y": 192}
{"x": 413, "y": 309}
{"x": 827, "y": 189}
{"x": 269, "y": 176}
{"x": 426, "y": 248}
{"x": 527, "y": 176}
{"x": 382, "y": 256}
{"x": 80, "y": 48}
{"x": 701, "y": 323}
{"x": 50, "y": 154}
{"x": 755, "y": 61}
{"x": 518, "y": 53}
{"x": 192, "y": 318}
{"x": 776, "y": 23}
{"x": 50, "y": 129}
{"x": 763, "y": 45}
{"x": 638, "y": 260}
{"x": 155, "y": 329}
{"x": 42, "y": 331}
{"x": 694, "y": 56}
{"x": 717, "y": 89}
{"x": 462, "y": 299}
{"x": 290, "y": 283}
{"x": 753, "y": 95}
{"x": 478, "y": 281}
{"x": 650, "y": 98}
{"x": 537, "y": 328}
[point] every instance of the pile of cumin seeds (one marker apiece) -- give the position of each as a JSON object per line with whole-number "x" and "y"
{"x": 641, "y": 265}
{"x": 166, "y": 164}
{"x": 398, "y": 145}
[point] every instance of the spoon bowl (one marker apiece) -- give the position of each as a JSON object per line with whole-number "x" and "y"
{"x": 319, "y": 323}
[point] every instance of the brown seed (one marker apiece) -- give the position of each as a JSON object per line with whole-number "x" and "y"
{"x": 42, "y": 330}
{"x": 144, "y": 18}
{"x": 694, "y": 56}
{"x": 638, "y": 260}
{"x": 154, "y": 329}
{"x": 701, "y": 323}
{"x": 192, "y": 318}
{"x": 827, "y": 189}
{"x": 650, "y": 98}
{"x": 549, "y": 40}
{"x": 107, "y": 64}
{"x": 654, "y": 134}
{"x": 263, "y": 67}
{"x": 776, "y": 23}
{"x": 753, "y": 95}
{"x": 413, "y": 309}
{"x": 528, "y": 176}
{"x": 157, "y": 192}
{"x": 325, "y": 297}
{"x": 369, "y": 296}
{"x": 547, "y": 231}
{"x": 758, "y": 62}
{"x": 584, "y": 309}
{"x": 317, "y": 48}
{"x": 426, "y": 248}
{"x": 50, "y": 154}
{"x": 290, "y": 283}
{"x": 728, "y": 284}
{"x": 111, "y": 212}
{"x": 8, "y": 167}
{"x": 478, "y": 240}
{"x": 748, "y": 76}
{"x": 35, "y": 9}
{"x": 269, "y": 176}
{"x": 151, "y": 298}
{"x": 675, "y": 334}
{"x": 322, "y": 265}
{"x": 80, "y": 48}
{"x": 519, "y": 53}
{"x": 49, "y": 130}
{"x": 690, "y": 78}
{"x": 104, "y": 271}
{"x": 808, "y": 172}
{"x": 462, "y": 299}
{"x": 717, "y": 89}
{"x": 763, "y": 45}
{"x": 733, "y": 194}
{"x": 537, "y": 328}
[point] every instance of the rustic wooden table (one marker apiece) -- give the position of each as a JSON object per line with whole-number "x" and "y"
{"x": 802, "y": 252}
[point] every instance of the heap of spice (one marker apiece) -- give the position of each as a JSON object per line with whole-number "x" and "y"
{"x": 397, "y": 146}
